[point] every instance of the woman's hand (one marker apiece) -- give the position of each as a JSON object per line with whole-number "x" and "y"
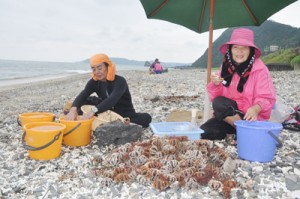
{"x": 252, "y": 113}
{"x": 87, "y": 116}
{"x": 72, "y": 115}
{"x": 216, "y": 79}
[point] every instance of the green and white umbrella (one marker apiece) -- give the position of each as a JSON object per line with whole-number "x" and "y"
{"x": 208, "y": 15}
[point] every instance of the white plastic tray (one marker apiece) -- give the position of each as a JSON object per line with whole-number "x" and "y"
{"x": 176, "y": 129}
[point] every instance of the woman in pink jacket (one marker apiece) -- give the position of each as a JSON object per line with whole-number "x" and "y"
{"x": 243, "y": 89}
{"x": 158, "y": 68}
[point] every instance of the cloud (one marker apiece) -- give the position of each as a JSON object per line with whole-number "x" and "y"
{"x": 73, "y": 30}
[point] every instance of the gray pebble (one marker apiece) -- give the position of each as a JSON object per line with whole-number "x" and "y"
{"x": 28, "y": 176}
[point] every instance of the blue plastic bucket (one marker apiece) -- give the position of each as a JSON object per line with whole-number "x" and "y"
{"x": 257, "y": 141}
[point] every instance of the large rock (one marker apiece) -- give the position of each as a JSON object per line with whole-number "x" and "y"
{"x": 117, "y": 133}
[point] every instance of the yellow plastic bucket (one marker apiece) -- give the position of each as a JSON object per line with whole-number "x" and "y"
{"x": 25, "y": 118}
{"x": 77, "y": 133}
{"x": 43, "y": 140}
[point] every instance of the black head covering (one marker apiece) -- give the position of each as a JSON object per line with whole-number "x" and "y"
{"x": 229, "y": 67}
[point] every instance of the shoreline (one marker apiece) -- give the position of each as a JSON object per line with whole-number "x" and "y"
{"x": 69, "y": 72}
{"x": 8, "y": 84}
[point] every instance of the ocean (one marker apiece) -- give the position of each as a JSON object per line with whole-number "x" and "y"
{"x": 11, "y": 69}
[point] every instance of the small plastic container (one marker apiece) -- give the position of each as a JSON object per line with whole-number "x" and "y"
{"x": 280, "y": 112}
{"x": 176, "y": 129}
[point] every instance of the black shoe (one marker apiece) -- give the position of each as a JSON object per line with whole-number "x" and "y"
{"x": 292, "y": 126}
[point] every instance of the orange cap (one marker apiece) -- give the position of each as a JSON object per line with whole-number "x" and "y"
{"x": 100, "y": 58}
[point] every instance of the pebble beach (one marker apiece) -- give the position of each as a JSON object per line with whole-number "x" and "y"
{"x": 69, "y": 176}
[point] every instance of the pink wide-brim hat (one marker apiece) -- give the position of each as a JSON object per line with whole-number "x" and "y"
{"x": 242, "y": 37}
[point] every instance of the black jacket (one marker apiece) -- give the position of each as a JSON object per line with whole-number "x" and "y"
{"x": 114, "y": 95}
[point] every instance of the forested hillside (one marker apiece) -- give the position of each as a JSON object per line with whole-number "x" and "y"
{"x": 269, "y": 33}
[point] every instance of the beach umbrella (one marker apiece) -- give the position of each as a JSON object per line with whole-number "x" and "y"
{"x": 208, "y": 15}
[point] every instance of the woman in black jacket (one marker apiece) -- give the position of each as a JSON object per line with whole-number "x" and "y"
{"x": 112, "y": 93}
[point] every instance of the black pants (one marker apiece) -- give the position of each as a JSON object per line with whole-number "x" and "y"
{"x": 143, "y": 119}
{"x": 216, "y": 128}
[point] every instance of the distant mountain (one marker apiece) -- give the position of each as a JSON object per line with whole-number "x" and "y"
{"x": 124, "y": 61}
{"x": 269, "y": 33}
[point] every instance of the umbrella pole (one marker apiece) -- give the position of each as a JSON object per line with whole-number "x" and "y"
{"x": 206, "y": 114}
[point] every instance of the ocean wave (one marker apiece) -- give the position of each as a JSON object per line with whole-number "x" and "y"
{"x": 33, "y": 69}
{"x": 78, "y": 71}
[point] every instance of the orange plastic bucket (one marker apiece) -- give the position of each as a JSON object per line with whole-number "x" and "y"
{"x": 77, "y": 133}
{"x": 43, "y": 140}
{"x": 25, "y": 118}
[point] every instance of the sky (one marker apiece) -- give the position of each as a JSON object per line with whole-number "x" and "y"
{"x": 74, "y": 30}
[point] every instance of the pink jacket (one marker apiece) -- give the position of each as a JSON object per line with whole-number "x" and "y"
{"x": 259, "y": 89}
{"x": 158, "y": 67}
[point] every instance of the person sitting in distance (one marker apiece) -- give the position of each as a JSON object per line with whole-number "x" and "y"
{"x": 158, "y": 68}
{"x": 151, "y": 68}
